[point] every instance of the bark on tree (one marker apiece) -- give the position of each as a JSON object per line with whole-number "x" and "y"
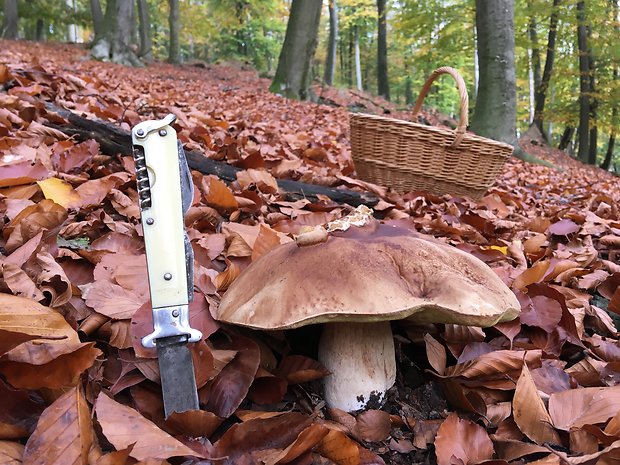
{"x": 383, "y": 84}
{"x": 593, "y": 114}
{"x": 332, "y": 44}
{"x": 98, "y": 21}
{"x": 146, "y": 42}
{"x": 541, "y": 90}
{"x": 614, "y": 112}
{"x": 567, "y": 136}
{"x": 11, "y": 17}
{"x": 294, "y": 72}
{"x": 40, "y": 30}
{"x": 174, "y": 47}
{"x": 584, "y": 83}
{"x": 496, "y": 101}
{"x": 358, "y": 60}
{"x": 121, "y": 51}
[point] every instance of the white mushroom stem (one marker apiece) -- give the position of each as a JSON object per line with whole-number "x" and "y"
{"x": 360, "y": 357}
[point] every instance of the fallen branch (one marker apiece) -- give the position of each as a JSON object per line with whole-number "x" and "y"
{"x": 113, "y": 140}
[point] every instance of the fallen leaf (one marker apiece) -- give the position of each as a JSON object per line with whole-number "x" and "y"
{"x": 123, "y": 427}
{"x": 226, "y": 392}
{"x": 436, "y": 353}
{"x": 64, "y": 434}
{"x": 586, "y": 406}
{"x": 530, "y": 413}
{"x": 463, "y": 441}
{"x": 11, "y": 453}
{"x": 61, "y": 192}
{"x": 373, "y": 425}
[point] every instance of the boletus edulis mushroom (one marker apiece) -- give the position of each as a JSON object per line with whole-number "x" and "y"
{"x": 355, "y": 283}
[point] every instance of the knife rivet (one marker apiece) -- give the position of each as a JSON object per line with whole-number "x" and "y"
{"x": 150, "y": 221}
{"x": 175, "y": 313}
{"x": 167, "y": 276}
{"x": 140, "y": 132}
{"x": 162, "y": 132}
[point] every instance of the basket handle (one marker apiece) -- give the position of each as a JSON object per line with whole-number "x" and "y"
{"x": 460, "y": 83}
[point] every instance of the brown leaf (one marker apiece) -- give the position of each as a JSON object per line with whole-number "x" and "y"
{"x": 564, "y": 228}
{"x": 373, "y": 425}
{"x": 112, "y": 300}
{"x": 436, "y": 353}
{"x": 19, "y": 412}
{"x": 118, "y": 457}
{"x": 264, "y": 181}
{"x": 219, "y": 195}
{"x": 586, "y": 406}
{"x": 462, "y": 441}
{"x": 260, "y": 433}
{"x": 26, "y": 316}
{"x": 93, "y": 192}
{"x": 194, "y": 423}
{"x": 500, "y": 362}
{"x": 44, "y": 216}
{"x": 10, "y": 339}
{"x": 530, "y": 413}
{"x": 123, "y": 426}
{"x": 226, "y": 392}
{"x": 339, "y": 448}
{"x": 64, "y": 434}
{"x": 304, "y": 442}
{"x": 50, "y": 366}
{"x": 11, "y": 453}
{"x": 299, "y": 369}
{"x": 266, "y": 240}
{"x": 21, "y": 173}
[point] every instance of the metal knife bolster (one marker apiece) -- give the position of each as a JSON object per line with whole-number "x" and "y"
{"x": 165, "y": 192}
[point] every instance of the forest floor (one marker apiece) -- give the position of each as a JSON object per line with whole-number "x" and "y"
{"x": 80, "y": 388}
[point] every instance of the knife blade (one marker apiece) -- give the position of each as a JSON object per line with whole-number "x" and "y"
{"x": 165, "y": 192}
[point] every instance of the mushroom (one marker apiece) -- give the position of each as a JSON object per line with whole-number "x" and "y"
{"x": 355, "y": 283}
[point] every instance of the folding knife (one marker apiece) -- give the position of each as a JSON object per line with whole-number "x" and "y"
{"x": 165, "y": 192}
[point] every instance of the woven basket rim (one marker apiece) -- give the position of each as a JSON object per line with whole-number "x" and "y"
{"x": 443, "y": 131}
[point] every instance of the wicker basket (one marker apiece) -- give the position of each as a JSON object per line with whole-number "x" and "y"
{"x": 410, "y": 156}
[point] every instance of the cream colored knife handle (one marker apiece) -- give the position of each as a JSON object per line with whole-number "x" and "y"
{"x": 159, "y": 189}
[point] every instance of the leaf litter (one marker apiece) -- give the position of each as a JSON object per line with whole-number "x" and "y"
{"x": 74, "y": 301}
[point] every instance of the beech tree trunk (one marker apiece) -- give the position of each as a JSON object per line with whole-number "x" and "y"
{"x": 146, "y": 42}
{"x": 332, "y": 44}
{"x": 534, "y": 55}
{"x": 174, "y": 47}
{"x": 121, "y": 51}
{"x": 614, "y": 112}
{"x": 593, "y": 114}
{"x": 98, "y": 21}
{"x": 567, "y": 136}
{"x": 294, "y": 72}
{"x": 496, "y": 101}
{"x": 358, "y": 60}
{"x": 541, "y": 90}
{"x": 584, "y": 83}
{"x": 383, "y": 84}
{"x": 11, "y": 17}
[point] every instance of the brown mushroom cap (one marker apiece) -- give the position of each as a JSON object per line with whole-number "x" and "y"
{"x": 367, "y": 274}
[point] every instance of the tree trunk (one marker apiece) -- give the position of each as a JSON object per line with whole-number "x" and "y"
{"x": 541, "y": 90}
{"x": 534, "y": 54}
{"x": 40, "y": 30}
{"x": 593, "y": 114}
{"x": 121, "y": 52}
{"x": 330, "y": 62}
{"x": 9, "y": 25}
{"x": 408, "y": 91}
{"x": 496, "y": 103}
{"x": 584, "y": 83}
{"x": 358, "y": 61}
{"x": 567, "y": 136}
{"x": 383, "y": 84}
{"x": 146, "y": 42}
{"x": 610, "y": 146}
{"x": 174, "y": 47}
{"x": 294, "y": 73}
{"x": 98, "y": 21}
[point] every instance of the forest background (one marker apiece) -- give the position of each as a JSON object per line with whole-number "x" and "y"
{"x": 567, "y": 56}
